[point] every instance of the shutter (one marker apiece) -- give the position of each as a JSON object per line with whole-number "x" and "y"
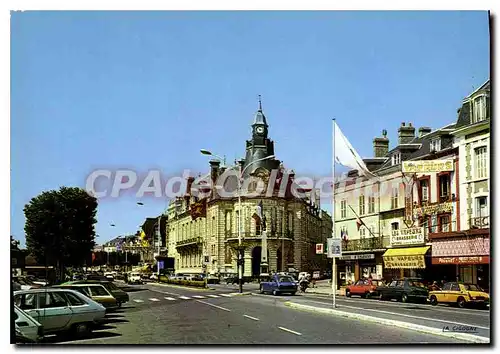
{"x": 487, "y": 107}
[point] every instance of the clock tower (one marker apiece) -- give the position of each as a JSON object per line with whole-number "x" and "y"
{"x": 260, "y": 146}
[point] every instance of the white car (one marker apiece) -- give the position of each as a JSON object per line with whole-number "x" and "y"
{"x": 134, "y": 278}
{"x": 27, "y": 325}
{"x": 61, "y": 310}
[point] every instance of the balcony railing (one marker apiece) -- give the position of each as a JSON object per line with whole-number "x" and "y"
{"x": 189, "y": 241}
{"x": 248, "y": 234}
{"x": 366, "y": 244}
{"x": 480, "y": 222}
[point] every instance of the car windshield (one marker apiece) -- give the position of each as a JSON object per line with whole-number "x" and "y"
{"x": 416, "y": 283}
{"x": 471, "y": 287}
{"x": 111, "y": 286}
{"x": 285, "y": 279}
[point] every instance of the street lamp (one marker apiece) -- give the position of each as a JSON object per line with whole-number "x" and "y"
{"x": 209, "y": 153}
{"x": 240, "y": 177}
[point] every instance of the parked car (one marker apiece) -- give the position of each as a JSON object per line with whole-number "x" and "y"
{"x": 405, "y": 290}
{"x": 278, "y": 284}
{"x": 110, "y": 275}
{"x": 61, "y": 310}
{"x": 30, "y": 330}
{"x": 364, "y": 287}
{"x": 120, "y": 295}
{"x": 96, "y": 277}
{"x": 460, "y": 294}
{"x": 134, "y": 278}
{"x": 96, "y": 292}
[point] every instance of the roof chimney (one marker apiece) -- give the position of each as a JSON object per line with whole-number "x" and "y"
{"x": 214, "y": 170}
{"x": 381, "y": 145}
{"x": 423, "y": 130}
{"x": 406, "y": 133}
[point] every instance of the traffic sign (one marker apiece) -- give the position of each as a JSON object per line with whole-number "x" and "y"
{"x": 334, "y": 247}
{"x": 319, "y": 248}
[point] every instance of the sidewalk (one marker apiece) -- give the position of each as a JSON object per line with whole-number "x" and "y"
{"x": 324, "y": 287}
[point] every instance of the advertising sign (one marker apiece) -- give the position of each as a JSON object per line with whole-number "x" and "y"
{"x": 334, "y": 246}
{"x": 319, "y": 248}
{"x": 405, "y": 262}
{"x": 461, "y": 260}
{"x": 410, "y": 236}
{"x": 357, "y": 256}
{"x": 424, "y": 166}
{"x": 432, "y": 209}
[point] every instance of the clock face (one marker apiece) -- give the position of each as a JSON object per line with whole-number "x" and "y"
{"x": 260, "y": 130}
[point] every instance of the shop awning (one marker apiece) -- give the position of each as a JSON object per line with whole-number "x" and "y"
{"x": 411, "y": 251}
{"x": 405, "y": 258}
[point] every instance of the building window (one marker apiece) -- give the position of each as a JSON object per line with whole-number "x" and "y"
{"x": 362, "y": 232}
{"x": 371, "y": 205}
{"x": 394, "y": 199}
{"x": 257, "y": 227}
{"x": 424, "y": 191}
{"x": 372, "y": 231}
{"x": 479, "y": 109}
{"x": 481, "y": 206}
{"x": 395, "y": 226}
{"x": 435, "y": 145}
{"x": 361, "y": 205}
{"x": 481, "y": 162}
{"x": 396, "y": 159}
{"x": 343, "y": 209}
{"x": 444, "y": 222}
{"x": 444, "y": 188}
{"x": 425, "y": 224}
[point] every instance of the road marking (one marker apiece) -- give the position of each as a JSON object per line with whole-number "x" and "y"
{"x": 410, "y": 316}
{"x": 199, "y": 296}
{"x": 232, "y": 294}
{"x": 169, "y": 298}
{"x": 154, "y": 299}
{"x": 137, "y": 300}
{"x": 213, "y": 295}
{"x": 184, "y": 298}
{"x": 225, "y": 295}
{"x": 252, "y": 318}
{"x": 209, "y": 304}
{"x": 163, "y": 292}
{"x": 289, "y": 330}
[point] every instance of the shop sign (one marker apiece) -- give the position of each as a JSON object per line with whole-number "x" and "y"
{"x": 461, "y": 260}
{"x": 357, "y": 256}
{"x": 434, "y": 209}
{"x": 319, "y": 248}
{"x": 427, "y": 166}
{"x": 410, "y": 236}
{"x": 405, "y": 262}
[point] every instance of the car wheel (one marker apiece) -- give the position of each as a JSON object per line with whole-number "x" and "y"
{"x": 461, "y": 302}
{"x": 404, "y": 298}
{"x": 433, "y": 300}
{"x": 368, "y": 295}
{"x": 261, "y": 290}
{"x": 293, "y": 294}
{"x": 119, "y": 304}
{"x": 347, "y": 293}
{"x": 275, "y": 292}
{"x": 82, "y": 330}
{"x": 381, "y": 297}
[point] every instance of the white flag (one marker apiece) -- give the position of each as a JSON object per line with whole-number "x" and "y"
{"x": 346, "y": 155}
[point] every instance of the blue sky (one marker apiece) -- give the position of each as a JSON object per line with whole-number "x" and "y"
{"x": 147, "y": 90}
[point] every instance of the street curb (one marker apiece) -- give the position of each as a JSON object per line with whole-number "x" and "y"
{"x": 394, "y": 323}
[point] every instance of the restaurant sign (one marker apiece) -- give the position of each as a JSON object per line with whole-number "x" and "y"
{"x": 357, "y": 256}
{"x": 410, "y": 236}
{"x": 405, "y": 262}
{"x": 433, "y": 209}
{"x": 427, "y": 166}
{"x": 461, "y": 260}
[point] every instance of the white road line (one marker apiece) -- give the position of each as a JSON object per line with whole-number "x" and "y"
{"x": 225, "y": 295}
{"x": 184, "y": 298}
{"x": 169, "y": 298}
{"x": 252, "y": 318}
{"x": 154, "y": 299}
{"x": 199, "y": 297}
{"x": 209, "y": 304}
{"x": 289, "y": 330}
{"x": 137, "y": 300}
{"x": 213, "y": 295}
{"x": 409, "y": 316}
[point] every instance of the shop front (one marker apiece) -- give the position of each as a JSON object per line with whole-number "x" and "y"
{"x": 361, "y": 266}
{"x": 462, "y": 256}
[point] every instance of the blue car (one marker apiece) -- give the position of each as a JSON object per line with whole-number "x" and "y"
{"x": 279, "y": 284}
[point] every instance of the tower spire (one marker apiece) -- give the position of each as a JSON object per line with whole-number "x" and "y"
{"x": 260, "y": 103}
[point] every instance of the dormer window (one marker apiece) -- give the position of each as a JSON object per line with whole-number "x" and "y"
{"x": 396, "y": 159}
{"x": 435, "y": 145}
{"x": 479, "y": 109}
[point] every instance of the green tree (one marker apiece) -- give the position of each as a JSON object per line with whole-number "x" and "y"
{"x": 60, "y": 227}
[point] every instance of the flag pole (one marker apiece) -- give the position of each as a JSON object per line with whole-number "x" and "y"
{"x": 334, "y": 266}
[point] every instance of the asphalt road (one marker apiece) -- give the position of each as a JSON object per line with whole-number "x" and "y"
{"x": 160, "y": 314}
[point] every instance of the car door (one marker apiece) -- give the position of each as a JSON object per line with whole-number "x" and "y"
{"x": 56, "y": 313}
{"x": 356, "y": 288}
{"x": 445, "y": 295}
{"x": 454, "y": 292}
{"x": 400, "y": 288}
{"x": 79, "y": 307}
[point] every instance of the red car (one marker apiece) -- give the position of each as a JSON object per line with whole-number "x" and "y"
{"x": 364, "y": 288}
